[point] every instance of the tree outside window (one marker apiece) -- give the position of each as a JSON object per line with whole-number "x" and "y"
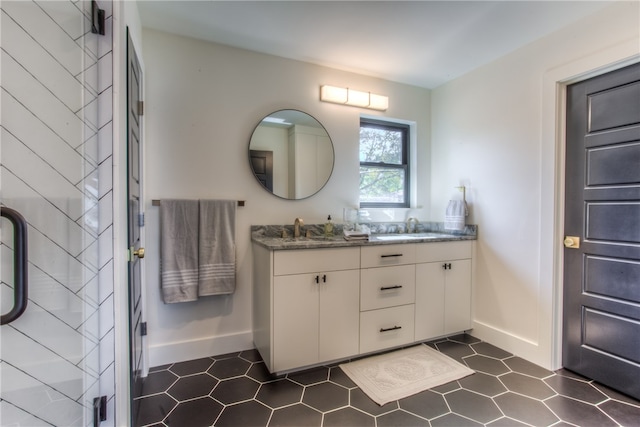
{"x": 384, "y": 164}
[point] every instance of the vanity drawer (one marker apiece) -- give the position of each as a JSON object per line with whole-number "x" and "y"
{"x": 385, "y": 255}
{"x": 442, "y": 251}
{"x": 387, "y": 287}
{"x": 315, "y": 260}
{"x": 387, "y": 327}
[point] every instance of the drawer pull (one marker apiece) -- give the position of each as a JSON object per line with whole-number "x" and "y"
{"x": 446, "y": 266}
{"x": 324, "y": 278}
{"x": 386, "y": 288}
{"x": 390, "y": 329}
{"x": 390, "y": 255}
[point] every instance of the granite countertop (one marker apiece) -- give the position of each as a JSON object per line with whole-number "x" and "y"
{"x": 270, "y": 236}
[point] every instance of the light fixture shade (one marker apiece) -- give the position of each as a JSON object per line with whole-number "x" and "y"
{"x": 378, "y": 102}
{"x": 333, "y": 94}
{"x": 355, "y": 98}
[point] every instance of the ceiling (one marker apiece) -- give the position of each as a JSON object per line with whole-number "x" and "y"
{"x": 421, "y": 43}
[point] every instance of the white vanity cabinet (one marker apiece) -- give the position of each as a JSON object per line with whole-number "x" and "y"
{"x": 313, "y": 307}
{"x": 443, "y": 288}
{"x": 387, "y": 296}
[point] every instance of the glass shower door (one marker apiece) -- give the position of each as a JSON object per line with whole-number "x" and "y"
{"x": 51, "y": 356}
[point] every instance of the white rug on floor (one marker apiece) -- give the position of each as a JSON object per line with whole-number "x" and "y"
{"x": 395, "y": 375}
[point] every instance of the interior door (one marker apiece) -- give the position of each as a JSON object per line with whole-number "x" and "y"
{"x": 135, "y": 222}
{"x": 602, "y": 248}
{"x": 262, "y": 166}
{"x": 57, "y": 354}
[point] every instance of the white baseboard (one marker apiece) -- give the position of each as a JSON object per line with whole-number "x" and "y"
{"x": 163, "y": 354}
{"x": 519, "y": 346}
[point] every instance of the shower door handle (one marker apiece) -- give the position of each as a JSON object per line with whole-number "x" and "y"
{"x": 20, "y": 281}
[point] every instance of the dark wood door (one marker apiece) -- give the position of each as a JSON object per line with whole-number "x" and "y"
{"x": 602, "y": 204}
{"x": 136, "y": 253}
{"x": 262, "y": 166}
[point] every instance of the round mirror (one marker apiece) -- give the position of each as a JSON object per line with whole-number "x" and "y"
{"x": 291, "y": 154}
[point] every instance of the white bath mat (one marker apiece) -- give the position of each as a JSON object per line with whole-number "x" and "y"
{"x": 395, "y": 375}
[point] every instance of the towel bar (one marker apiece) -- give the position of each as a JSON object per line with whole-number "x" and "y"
{"x": 156, "y": 202}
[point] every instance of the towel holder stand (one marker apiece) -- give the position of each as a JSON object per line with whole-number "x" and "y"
{"x": 463, "y": 189}
{"x": 156, "y": 202}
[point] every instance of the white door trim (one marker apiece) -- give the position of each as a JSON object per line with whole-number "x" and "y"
{"x": 120, "y": 276}
{"x": 552, "y": 176}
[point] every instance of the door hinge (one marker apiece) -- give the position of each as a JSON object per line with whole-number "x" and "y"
{"x": 99, "y": 410}
{"x": 141, "y": 219}
{"x": 143, "y": 329}
{"x": 141, "y": 108}
{"x": 98, "y": 19}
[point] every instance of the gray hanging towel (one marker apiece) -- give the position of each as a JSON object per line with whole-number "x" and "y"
{"x": 179, "y": 250}
{"x": 454, "y": 218}
{"x": 217, "y": 247}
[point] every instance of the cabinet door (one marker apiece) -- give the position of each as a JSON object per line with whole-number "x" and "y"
{"x": 430, "y": 298}
{"x": 339, "y": 314}
{"x": 457, "y": 298}
{"x": 295, "y": 321}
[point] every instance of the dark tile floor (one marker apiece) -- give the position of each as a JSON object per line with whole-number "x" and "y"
{"x": 236, "y": 390}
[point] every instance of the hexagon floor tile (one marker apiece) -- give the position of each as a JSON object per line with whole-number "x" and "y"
{"x": 235, "y": 389}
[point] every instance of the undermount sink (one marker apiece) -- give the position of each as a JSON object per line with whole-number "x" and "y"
{"x": 408, "y": 236}
{"x": 304, "y": 239}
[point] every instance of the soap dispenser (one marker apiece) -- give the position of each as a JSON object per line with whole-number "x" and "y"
{"x": 328, "y": 227}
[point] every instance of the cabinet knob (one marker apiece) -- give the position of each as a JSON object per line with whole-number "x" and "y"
{"x": 446, "y": 266}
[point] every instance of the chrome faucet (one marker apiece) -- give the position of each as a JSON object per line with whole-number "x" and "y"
{"x": 415, "y": 227}
{"x": 296, "y": 227}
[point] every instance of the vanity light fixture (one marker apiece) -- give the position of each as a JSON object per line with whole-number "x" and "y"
{"x": 355, "y": 98}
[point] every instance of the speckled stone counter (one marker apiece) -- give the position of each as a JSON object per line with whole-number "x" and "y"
{"x": 270, "y": 236}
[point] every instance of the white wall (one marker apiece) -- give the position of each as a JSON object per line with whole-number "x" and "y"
{"x": 202, "y": 102}
{"x": 493, "y": 130}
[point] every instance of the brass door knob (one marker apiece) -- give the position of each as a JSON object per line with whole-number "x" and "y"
{"x": 139, "y": 253}
{"x": 571, "y": 242}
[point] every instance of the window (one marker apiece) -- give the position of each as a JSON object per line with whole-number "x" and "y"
{"x": 384, "y": 164}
